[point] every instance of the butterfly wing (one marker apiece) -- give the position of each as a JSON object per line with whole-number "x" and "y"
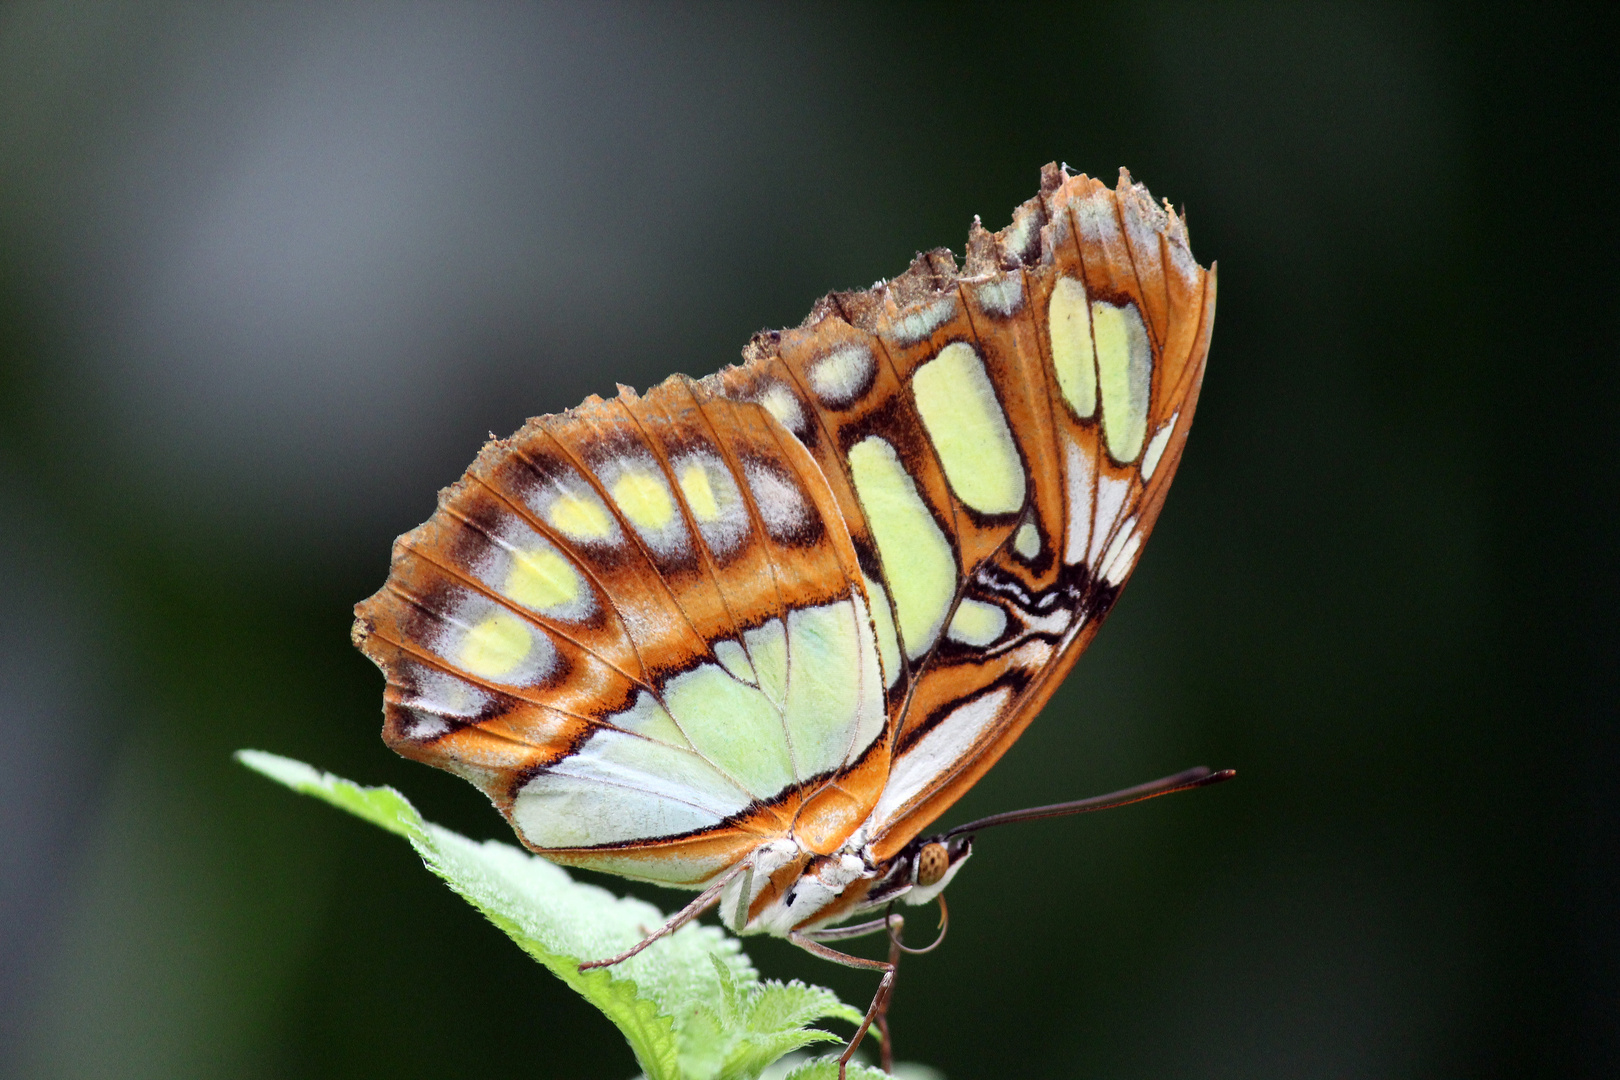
{"x": 1000, "y": 443}
{"x": 640, "y": 628}
{"x": 818, "y": 592}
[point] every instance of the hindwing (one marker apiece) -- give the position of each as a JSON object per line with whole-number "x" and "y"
{"x": 638, "y": 621}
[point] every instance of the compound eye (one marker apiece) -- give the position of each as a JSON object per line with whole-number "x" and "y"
{"x": 932, "y": 862}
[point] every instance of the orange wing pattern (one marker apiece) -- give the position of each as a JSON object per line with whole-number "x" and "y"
{"x": 818, "y": 594}
{"x": 1115, "y": 272}
{"x": 575, "y": 571}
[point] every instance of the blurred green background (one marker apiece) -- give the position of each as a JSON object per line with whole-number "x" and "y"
{"x": 270, "y": 274}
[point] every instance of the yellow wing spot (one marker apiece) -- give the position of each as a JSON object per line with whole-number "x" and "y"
{"x": 644, "y": 500}
{"x": 1069, "y": 325}
{"x": 496, "y": 646}
{"x": 917, "y": 559}
{"x": 1125, "y": 370}
{"x": 977, "y": 623}
{"x": 541, "y": 579}
{"x": 580, "y": 517}
{"x": 1027, "y": 541}
{"x": 699, "y": 493}
{"x": 959, "y": 408}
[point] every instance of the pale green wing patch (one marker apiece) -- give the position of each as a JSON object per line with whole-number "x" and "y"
{"x": 1125, "y": 376}
{"x": 1074, "y": 356}
{"x": 958, "y": 406}
{"x": 917, "y": 558}
{"x": 733, "y": 725}
{"x": 689, "y": 1001}
{"x": 835, "y": 686}
{"x": 724, "y": 742}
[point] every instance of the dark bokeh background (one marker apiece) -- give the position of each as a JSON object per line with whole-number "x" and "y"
{"x": 270, "y": 274}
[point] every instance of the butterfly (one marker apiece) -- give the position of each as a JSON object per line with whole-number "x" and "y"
{"x": 751, "y": 634}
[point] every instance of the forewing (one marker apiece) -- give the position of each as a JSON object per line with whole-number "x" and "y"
{"x": 1000, "y": 442}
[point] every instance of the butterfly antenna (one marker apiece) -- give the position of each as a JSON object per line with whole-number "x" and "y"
{"x": 1181, "y": 781}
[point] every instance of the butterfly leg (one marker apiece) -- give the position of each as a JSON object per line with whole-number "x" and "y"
{"x": 880, "y": 1002}
{"x": 895, "y": 925}
{"x": 705, "y": 900}
{"x": 844, "y": 933}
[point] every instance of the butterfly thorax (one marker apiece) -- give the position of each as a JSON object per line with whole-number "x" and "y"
{"x": 788, "y": 887}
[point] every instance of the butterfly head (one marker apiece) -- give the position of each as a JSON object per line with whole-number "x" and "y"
{"x": 921, "y": 870}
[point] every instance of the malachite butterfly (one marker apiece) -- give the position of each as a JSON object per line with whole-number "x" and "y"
{"x": 751, "y": 634}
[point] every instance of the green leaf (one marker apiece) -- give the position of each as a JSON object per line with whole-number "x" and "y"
{"x": 826, "y": 1068}
{"x": 751, "y": 1025}
{"x": 382, "y": 806}
{"x": 691, "y": 1005}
